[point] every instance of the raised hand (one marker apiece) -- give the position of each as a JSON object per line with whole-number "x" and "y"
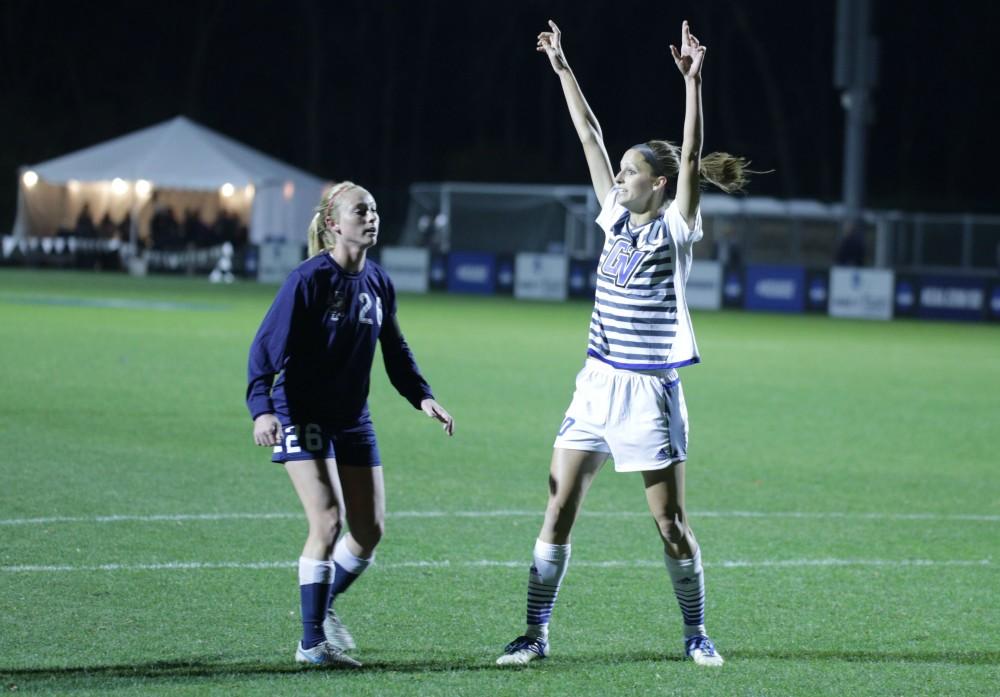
{"x": 691, "y": 55}
{"x": 550, "y": 43}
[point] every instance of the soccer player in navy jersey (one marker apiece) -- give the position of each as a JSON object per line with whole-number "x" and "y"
{"x": 628, "y": 402}
{"x": 319, "y": 338}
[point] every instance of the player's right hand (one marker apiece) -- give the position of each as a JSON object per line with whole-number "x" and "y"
{"x": 266, "y": 430}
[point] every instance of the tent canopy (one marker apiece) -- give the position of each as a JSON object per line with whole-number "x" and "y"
{"x": 180, "y": 154}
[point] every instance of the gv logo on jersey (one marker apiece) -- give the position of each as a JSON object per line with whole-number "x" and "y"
{"x": 621, "y": 262}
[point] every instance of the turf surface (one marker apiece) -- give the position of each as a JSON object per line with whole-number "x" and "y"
{"x": 842, "y": 482}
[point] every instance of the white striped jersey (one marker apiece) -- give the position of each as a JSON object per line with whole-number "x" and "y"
{"x": 640, "y": 319}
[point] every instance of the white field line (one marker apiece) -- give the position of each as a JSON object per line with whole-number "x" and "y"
{"x": 482, "y": 563}
{"x": 815, "y": 515}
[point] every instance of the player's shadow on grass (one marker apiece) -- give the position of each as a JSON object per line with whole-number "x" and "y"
{"x": 187, "y": 668}
{"x": 215, "y": 668}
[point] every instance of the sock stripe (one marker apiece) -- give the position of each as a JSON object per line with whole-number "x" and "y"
{"x": 548, "y": 567}
{"x": 688, "y": 580}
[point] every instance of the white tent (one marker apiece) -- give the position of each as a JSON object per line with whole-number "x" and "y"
{"x": 177, "y": 156}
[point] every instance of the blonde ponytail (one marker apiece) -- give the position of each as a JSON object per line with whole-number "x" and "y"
{"x": 728, "y": 172}
{"x": 320, "y": 237}
{"x": 319, "y": 241}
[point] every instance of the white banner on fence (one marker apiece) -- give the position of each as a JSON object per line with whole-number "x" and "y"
{"x": 540, "y": 276}
{"x": 861, "y": 293}
{"x": 408, "y": 267}
{"x": 704, "y": 286}
{"x": 276, "y": 259}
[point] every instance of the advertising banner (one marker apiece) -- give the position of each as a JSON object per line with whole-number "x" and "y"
{"x": 732, "y": 287}
{"x": 439, "y": 271}
{"x": 408, "y": 267}
{"x": 276, "y": 259}
{"x": 704, "y": 286}
{"x": 905, "y": 300}
{"x": 817, "y": 290}
{"x": 861, "y": 293}
{"x": 995, "y": 303}
{"x": 952, "y": 297}
{"x": 471, "y": 272}
{"x": 582, "y": 278}
{"x": 775, "y": 288}
{"x": 540, "y": 276}
{"x": 505, "y": 274}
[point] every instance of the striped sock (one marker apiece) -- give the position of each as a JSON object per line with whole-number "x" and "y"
{"x": 689, "y": 587}
{"x": 548, "y": 568}
{"x": 314, "y": 596}
{"x": 347, "y": 568}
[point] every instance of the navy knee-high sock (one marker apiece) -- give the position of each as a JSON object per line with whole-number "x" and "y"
{"x": 315, "y": 578}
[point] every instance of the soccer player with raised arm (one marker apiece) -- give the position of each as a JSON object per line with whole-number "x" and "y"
{"x": 319, "y": 338}
{"x": 628, "y": 402}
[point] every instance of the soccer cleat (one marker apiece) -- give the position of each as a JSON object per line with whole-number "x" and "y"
{"x": 325, "y": 655}
{"x": 702, "y": 651}
{"x": 523, "y": 651}
{"x": 336, "y": 632}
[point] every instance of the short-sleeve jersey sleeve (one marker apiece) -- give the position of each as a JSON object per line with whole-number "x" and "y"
{"x": 611, "y": 211}
{"x": 678, "y": 225}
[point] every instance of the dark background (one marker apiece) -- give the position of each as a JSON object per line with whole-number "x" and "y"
{"x": 388, "y": 93}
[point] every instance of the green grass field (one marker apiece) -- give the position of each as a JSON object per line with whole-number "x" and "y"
{"x": 843, "y": 483}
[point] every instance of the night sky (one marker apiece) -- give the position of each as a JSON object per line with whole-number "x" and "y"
{"x": 389, "y": 93}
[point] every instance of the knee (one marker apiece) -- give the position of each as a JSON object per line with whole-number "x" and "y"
{"x": 325, "y": 527}
{"x": 368, "y": 536}
{"x": 672, "y": 526}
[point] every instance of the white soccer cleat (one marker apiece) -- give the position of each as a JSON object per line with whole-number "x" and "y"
{"x": 325, "y": 655}
{"x": 700, "y": 649}
{"x": 336, "y": 632}
{"x": 523, "y": 651}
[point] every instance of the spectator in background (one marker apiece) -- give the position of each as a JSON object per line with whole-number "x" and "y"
{"x": 242, "y": 235}
{"x": 195, "y": 231}
{"x": 125, "y": 227}
{"x": 164, "y": 228}
{"x": 106, "y": 228}
{"x": 225, "y": 227}
{"x": 85, "y": 223}
{"x": 851, "y": 250}
{"x": 727, "y": 249}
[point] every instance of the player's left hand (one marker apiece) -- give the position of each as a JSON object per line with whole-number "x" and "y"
{"x": 691, "y": 55}
{"x": 436, "y": 411}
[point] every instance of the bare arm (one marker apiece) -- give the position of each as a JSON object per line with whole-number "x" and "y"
{"x": 689, "y": 60}
{"x": 587, "y": 127}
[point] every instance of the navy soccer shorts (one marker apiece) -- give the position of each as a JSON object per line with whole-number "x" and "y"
{"x": 353, "y": 445}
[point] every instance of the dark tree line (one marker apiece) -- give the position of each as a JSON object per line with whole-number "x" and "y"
{"x": 388, "y": 92}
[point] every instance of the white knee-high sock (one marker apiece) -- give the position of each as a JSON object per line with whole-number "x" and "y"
{"x": 688, "y": 580}
{"x": 548, "y": 568}
{"x": 347, "y": 568}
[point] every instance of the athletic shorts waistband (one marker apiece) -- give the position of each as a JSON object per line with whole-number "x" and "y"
{"x": 669, "y": 374}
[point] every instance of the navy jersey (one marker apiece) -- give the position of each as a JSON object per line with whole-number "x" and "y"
{"x": 319, "y": 335}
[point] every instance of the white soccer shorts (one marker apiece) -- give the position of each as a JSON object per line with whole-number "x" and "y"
{"x": 640, "y": 419}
